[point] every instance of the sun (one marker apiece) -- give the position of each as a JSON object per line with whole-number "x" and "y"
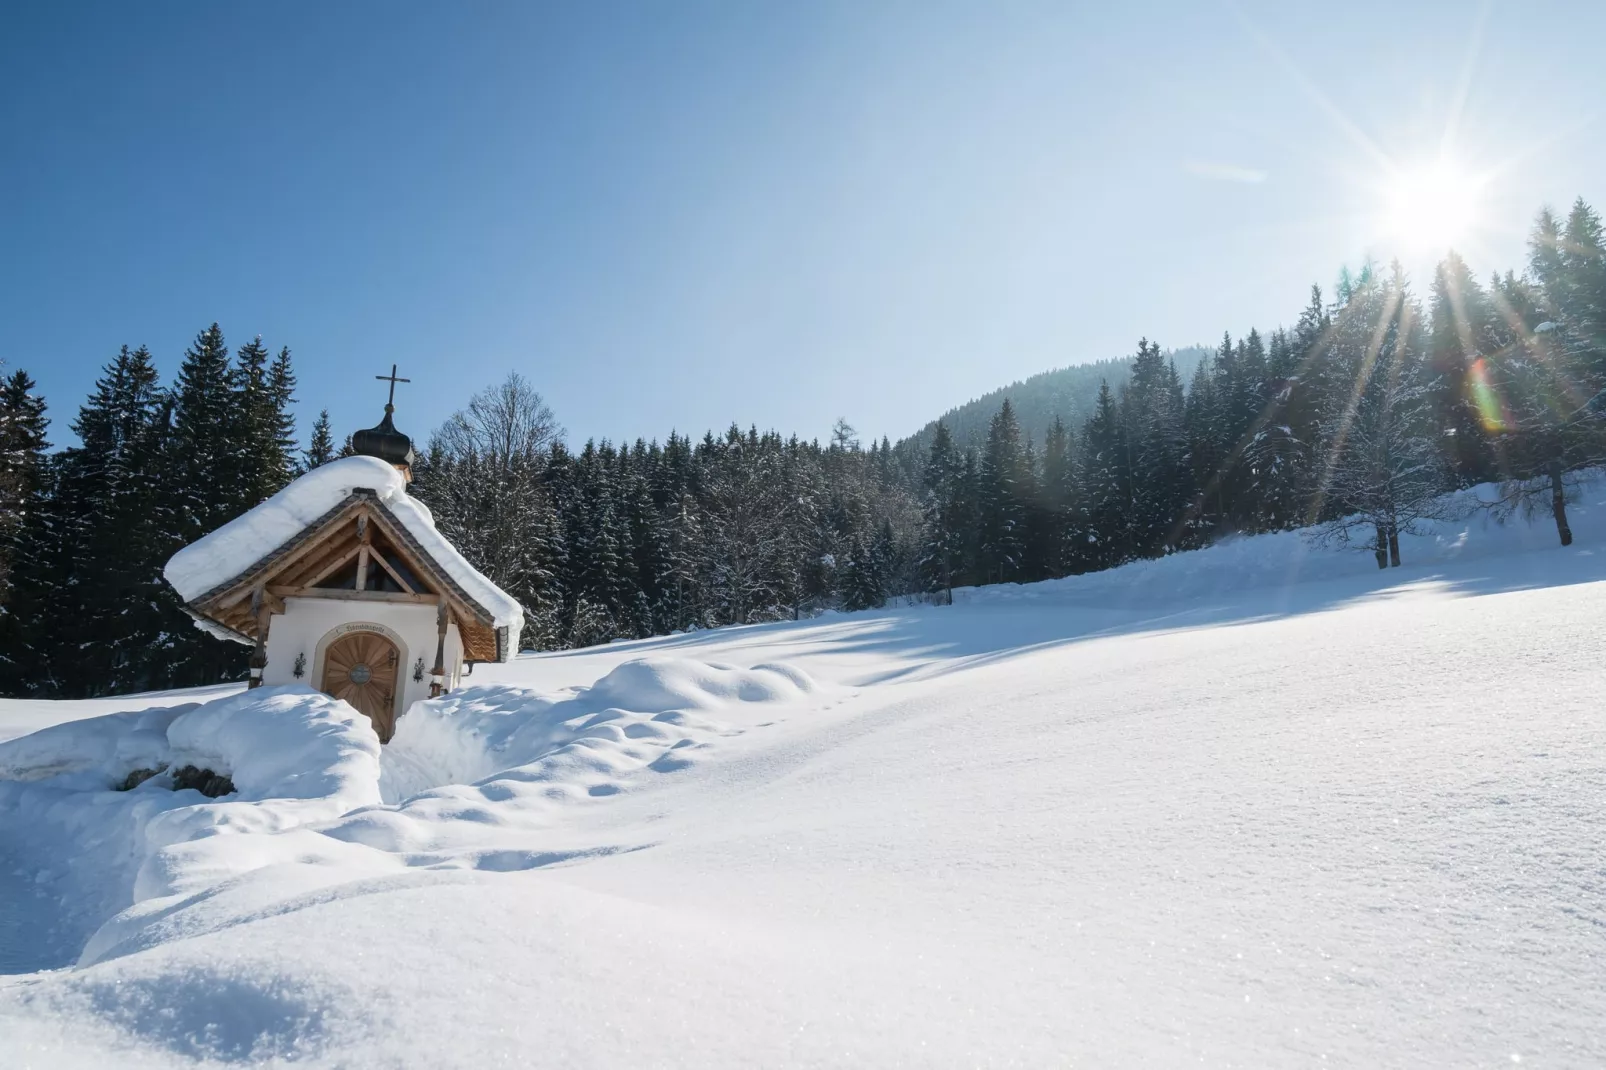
{"x": 1431, "y": 208}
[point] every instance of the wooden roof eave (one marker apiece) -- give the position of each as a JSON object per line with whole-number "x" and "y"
{"x": 228, "y": 604}
{"x": 232, "y": 591}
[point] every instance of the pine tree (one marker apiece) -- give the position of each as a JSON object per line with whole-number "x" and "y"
{"x": 278, "y": 465}
{"x": 1005, "y": 484}
{"x": 321, "y": 448}
{"x": 1245, "y": 419}
{"x": 1276, "y": 459}
{"x": 1106, "y": 490}
{"x": 1532, "y": 402}
{"x": 101, "y": 595}
{"x": 942, "y": 537}
{"x": 1583, "y": 302}
{"x": 684, "y": 584}
{"x": 23, "y": 427}
{"x": 1461, "y": 331}
{"x": 204, "y": 465}
{"x": 1204, "y": 419}
{"x": 1155, "y": 441}
{"x": 1057, "y": 500}
{"x": 861, "y": 577}
{"x": 41, "y": 560}
{"x": 1384, "y": 474}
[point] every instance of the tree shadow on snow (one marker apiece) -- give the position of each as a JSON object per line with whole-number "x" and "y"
{"x": 931, "y": 642}
{"x": 999, "y": 623}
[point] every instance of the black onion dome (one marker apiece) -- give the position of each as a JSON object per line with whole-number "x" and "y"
{"x": 384, "y": 442}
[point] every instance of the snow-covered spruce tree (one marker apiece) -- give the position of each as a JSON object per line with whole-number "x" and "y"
{"x": 1156, "y": 447}
{"x": 941, "y": 540}
{"x": 203, "y": 461}
{"x": 1464, "y": 333}
{"x": 23, "y": 427}
{"x": 596, "y": 574}
{"x": 215, "y": 417}
{"x": 803, "y": 583}
{"x": 30, "y": 619}
{"x": 1106, "y": 487}
{"x": 1276, "y": 458}
{"x": 96, "y": 551}
{"x": 862, "y": 586}
{"x": 1568, "y": 263}
{"x": 1058, "y": 505}
{"x": 1204, "y": 418}
{"x": 113, "y": 483}
{"x": 1004, "y": 485}
{"x": 321, "y": 446}
{"x": 683, "y": 583}
{"x": 887, "y": 557}
{"x": 644, "y": 539}
{"x": 1245, "y": 406}
{"x": 262, "y": 454}
{"x": 31, "y": 555}
{"x": 1544, "y": 389}
{"x": 1385, "y": 473}
{"x": 590, "y": 623}
{"x": 279, "y": 465}
{"x": 742, "y": 521}
{"x": 1299, "y": 405}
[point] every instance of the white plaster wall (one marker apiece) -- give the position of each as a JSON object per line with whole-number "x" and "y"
{"x": 307, "y": 621}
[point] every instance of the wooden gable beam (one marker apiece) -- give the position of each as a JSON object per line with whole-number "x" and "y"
{"x": 336, "y": 549}
{"x": 342, "y": 594}
{"x": 393, "y": 574}
{"x": 363, "y": 536}
{"x": 270, "y": 568}
{"x": 403, "y": 543}
{"x": 321, "y": 569}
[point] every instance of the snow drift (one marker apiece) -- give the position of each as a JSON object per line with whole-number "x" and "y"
{"x": 312, "y": 783}
{"x": 597, "y": 733}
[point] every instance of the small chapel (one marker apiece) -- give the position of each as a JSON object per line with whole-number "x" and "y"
{"x": 341, "y": 581}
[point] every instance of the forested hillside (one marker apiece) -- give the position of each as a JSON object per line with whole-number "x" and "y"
{"x": 1355, "y": 417}
{"x": 1068, "y": 394}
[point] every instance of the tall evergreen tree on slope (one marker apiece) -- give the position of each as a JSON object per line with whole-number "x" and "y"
{"x": 1005, "y": 486}
{"x": 23, "y": 427}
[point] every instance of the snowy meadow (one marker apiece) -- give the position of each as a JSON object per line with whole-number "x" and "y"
{"x": 1259, "y": 804}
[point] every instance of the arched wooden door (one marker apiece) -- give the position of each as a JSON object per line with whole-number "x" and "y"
{"x": 364, "y": 669}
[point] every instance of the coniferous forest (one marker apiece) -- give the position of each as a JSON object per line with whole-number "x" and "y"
{"x": 1354, "y": 418}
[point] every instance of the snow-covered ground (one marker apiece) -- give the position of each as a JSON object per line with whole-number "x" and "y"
{"x": 1255, "y": 806}
{"x": 21, "y": 716}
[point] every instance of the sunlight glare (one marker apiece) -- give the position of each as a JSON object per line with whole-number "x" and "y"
{"x": 1433, "y": 207}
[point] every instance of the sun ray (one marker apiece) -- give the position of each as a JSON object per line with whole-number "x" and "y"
{"x": 1463, "y": 86}
{"x": 1320, "y": 99}
{"x": 1362, "y": 375}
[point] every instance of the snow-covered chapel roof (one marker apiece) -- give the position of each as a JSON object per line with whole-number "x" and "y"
{"x": 253, "y": 544}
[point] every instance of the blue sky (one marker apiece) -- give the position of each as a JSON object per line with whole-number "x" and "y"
{"x": 676, "y": 215}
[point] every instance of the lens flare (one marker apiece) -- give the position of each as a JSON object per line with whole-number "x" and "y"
{"x": 1492, "y": 411}
{"x": 1431, "y": 208}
